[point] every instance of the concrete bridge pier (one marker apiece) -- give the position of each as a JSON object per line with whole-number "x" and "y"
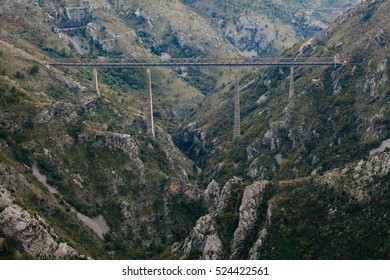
{"x": 292, "y": 90}
{"x": 237, "y": 110}
{"x": 95, "y": 81}
{"x": 149, "y": 109}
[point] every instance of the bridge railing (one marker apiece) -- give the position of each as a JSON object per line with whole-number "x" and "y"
{"x": 177, "y": 62}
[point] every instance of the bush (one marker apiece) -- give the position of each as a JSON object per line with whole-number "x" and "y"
{"x": 9, "y": 96}
{"x": 74, "y": 130}
{"x": 19, "y": 75}
{"x": 8, "y": 249}
{"x": 33, "y": 70}
{"x": 21, "y": 154}
{"x": 3, "y": 133}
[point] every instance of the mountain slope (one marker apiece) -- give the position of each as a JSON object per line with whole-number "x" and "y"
{"x": 261, "y": 28}
{"x": 342, "y": 214}
{"x": 337, "y": 115}
{"x": 140, "y": 29}
{"x": 306, "y": 209}
{"x": 79, "y": 167}
{"x": 87, "y": 167}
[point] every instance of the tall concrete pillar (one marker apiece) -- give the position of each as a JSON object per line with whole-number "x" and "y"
{"x": 95, "y": 81}
{"x": 237, "y": 110}
{"x": 149, "y": 110}
{"x": 292, "y": 91}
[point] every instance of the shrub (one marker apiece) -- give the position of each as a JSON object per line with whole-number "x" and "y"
{"x": 33, "y": 70}
{"x": 19, "y": 75}
{"x": 8, "y": 249}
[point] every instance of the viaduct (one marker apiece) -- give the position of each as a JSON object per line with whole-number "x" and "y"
{"x": 196, "y": 62}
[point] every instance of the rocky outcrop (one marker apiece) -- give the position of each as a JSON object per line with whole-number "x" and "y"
{"x": 254, "y": 251}
{"x": 123, "y": 142}
{"x": 70, "y": 84}
{"x": 363, "y": 176}
{"x": 5, "y": 198}
{"x": 204, "y": 238}
{"x": 75, "y": 16}
{"x": 376, "y": 78}
{"x": 362, "y": 181}
{"x": 212, "y": 196}
{"x": 251, "y": 201}
{"x": 262, "y": 168}
{"x": 32, "y": 233}
{"x": 10, "y": 6}
{"x": 181, "y": 165}
{"x": 193, "y": 141}
{"x": 58, "y": 111}
{"x": 101, "y": 35}
{"x": 249, "y": 37}
{"x": 207, "y": 235}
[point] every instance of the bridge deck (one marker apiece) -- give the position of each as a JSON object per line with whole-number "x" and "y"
{"x": 198, "y": 62}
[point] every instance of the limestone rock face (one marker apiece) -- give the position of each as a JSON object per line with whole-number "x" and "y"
{"x": 269, "y": 140}
{"x": 32, "y": 233}
{"x": 248, "y": 38}
{"x": 363, "y": 176}
{"x": 205, "y": 240}
{"x": 76, "y": 16}
{"x": 204, "y": 237}
{"x": 123, "y": 142}
{"x": 181, "y": 165}
{"x": 5, "y": 199}
{"x": 362, "y": 181}
{"x": 7, "y": 6}
{"x": 99, "y": 33}
{"x": 194, "y": 139}
{"x": 59, "y": 111}
{"x": 212, "y": 196}
{"x": 262, "y": 168}
{"x": 250, "y": 203}
{"x": 68, "y": 82}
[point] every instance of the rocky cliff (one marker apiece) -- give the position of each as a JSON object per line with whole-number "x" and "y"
{"x": 32, "y": 233}
{"x": 79, "y": 177}
{"x": 338, "y": 114}
{"x": 339, "y": 215}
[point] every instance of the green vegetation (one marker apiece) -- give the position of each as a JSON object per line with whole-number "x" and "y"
{"x": 33, "y": 70}
{"x": 327, "y": 220}
{"x": 94, "y": 151}
{"x": 322, "y": 128}
{"x": 8, "y": 95}
{"x": 8, "y": 248}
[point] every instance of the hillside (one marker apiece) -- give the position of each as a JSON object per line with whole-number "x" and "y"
{"x": 68, "y": 155}
{"x": 139, "y": 29}
{"x": 342, "y": 214}
{"x": 79, "y": 177}
{"x": 263, "y": 28}
{"x": 275, "y": 193}
{"x": 337, "y": 115}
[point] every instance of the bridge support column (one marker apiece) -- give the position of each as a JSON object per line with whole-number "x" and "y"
{"x": 237, "y": 110}
{"x": 292, "y": 90}
{"x": 95, "y": 81}
{"x": 149, "y": 109}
